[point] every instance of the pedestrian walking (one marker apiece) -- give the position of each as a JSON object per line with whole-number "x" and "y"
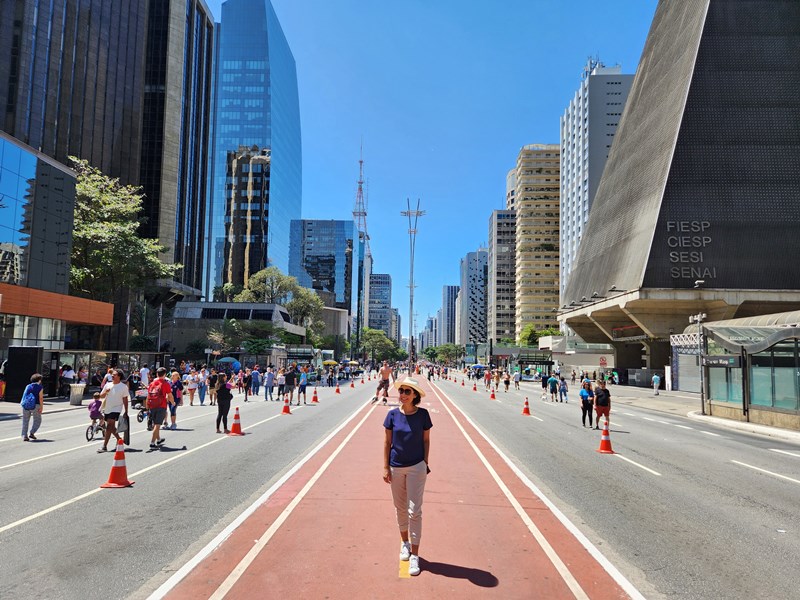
{"x": 506, "y": 380}
{"x": 192, "y": 382}
{"x": 301, "y": 389}
{"x": 269, "y": 383}
{"x": 159, "y": 396}
{"x": 213, "y": 377}
{"x": 177, "y": 395}
{"x": 281, "y": 382}
{"x": 202, "y": 384}
{"x": 289, "y": 382}
{"x": 552, "y": 384}
{"x": 255, "y": 382}
{"x": 224, "y": 397}
{"x": 115, "y": 401}
{"x": 406, "y": 466}
{"x": 602, "y": 403}
{"x": 247, "y": 381}
{"x": 587, "y": 402}
{"x": 517, "y": 377}
{"x": 32, "y": 405}
{"x": 656, "y": 383}
{"x": 562, "y": 390}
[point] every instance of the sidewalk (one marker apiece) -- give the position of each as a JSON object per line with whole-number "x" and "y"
{"x": 330, "y": 532}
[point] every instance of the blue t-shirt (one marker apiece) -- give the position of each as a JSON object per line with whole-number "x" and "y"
{"x": 586, "y": 395}
{"x": 408, "y": 448}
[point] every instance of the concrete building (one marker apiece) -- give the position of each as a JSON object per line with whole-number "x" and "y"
{"x": 537, "y": 251}
{"x": 380, "y": 302}
{"x": 394, "y": 328}
{"x": 176, "y": 121}
{"x": 698, "y": 199}
{"x": 501, "y": 288}
{"x": 256, "y": 106}
{"x": 588, "y": 127}
{"x": 473, "y": 297}
{"x": 447, "y": 322}
{"x": 511, "y": 188}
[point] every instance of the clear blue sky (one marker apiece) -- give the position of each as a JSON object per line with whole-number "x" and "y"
{"x": 444, "y": 94}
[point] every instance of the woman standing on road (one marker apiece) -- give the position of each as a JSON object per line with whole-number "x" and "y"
{"x": 177, "y": 395}
{"x": 406, "y": 467}
{"x": 224, "y": 397}
{"x": 602, "y": 403}
{"x": 116, "y": 402}
{"x": 587, "y": 402}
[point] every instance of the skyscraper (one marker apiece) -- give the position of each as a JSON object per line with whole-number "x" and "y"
{"x": 447, "y": 324}
{"x": 536, "y": 200}
{"x": 473, "y": 297}
{"x": 175, "y": 133}
{"x": 501, "y": 285}
{"x": 71, "y": 80}
{"x": 256, "y": 104}
{"x": 588, "y": 127}
{"x": 380, "y": 302}
{"x": 322, "y": 255}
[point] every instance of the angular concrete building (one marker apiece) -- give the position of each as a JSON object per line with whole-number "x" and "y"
{"x": 697, "y": 210}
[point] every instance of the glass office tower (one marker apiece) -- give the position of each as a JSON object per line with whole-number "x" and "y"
{"x": 321, "y": 257}
{"x": 256, "y": 106}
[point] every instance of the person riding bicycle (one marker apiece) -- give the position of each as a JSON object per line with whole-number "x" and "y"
{"x": 95, "y": 414}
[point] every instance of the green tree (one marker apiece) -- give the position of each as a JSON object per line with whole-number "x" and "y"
{"x": 449, "y": 353}
{"x": 196, "y": 347}
{"x": 227, "y": 336}
{"x": 268, "y": 285}
{"x": 430, "y": 353}
{"x": 305, "y": 307}
{"x": 108, "y": 252}
{"x": 376, "y": 344}
{"x": 529, "y": 336}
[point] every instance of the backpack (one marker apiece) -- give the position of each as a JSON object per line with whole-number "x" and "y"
{"x": 155, "y": 395}
{"x": 29, "y": 399}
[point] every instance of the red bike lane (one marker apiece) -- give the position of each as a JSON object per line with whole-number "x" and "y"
{"x": 330, "y": 532}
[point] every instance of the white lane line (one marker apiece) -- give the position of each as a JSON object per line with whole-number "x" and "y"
{"x": 709, "y": 433}
{"x": 683, "y": 426}
{"x": 767, "y": 472}
{"x": 187, "y": 568}
{"x": 82, "y": 446}
{"x": 633, "y": 462}
{"x": 795, "y": 454}
{"x": 49, "y": 431}
{"x": 629, "y": 414}
{"x": 245, "y": 563}
{"x": 615, "y": 574}
{"x": 46, "y": 511}
{"x": 555, "y": 559}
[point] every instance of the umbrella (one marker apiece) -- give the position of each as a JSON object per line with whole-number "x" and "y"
{"x": 477, "y": 366}
{"x": 227, "y": 359}
{"x": 354, "y": 362}
{"x": 329, "y": 363}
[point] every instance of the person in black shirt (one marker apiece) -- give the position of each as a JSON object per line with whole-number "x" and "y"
{"x": 289, "y": 383}
{"x": 602, "y": 402}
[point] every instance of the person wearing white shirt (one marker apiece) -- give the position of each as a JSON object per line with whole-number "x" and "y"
{"x": 144, "y": 375}
{"x": 115, "y": 395}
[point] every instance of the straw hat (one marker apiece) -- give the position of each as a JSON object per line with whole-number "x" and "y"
{"x": 412, "y": 383}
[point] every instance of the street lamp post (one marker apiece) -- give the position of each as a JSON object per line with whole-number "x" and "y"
{"x": 698, "y": 318}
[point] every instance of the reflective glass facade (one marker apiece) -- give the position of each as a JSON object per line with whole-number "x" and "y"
{"x": 175, "y": 131}
{"x": 37, "y": 201}
{"x": 256, "y": 104}
{"x": 380, "y": 302}
{"x": 321, "y": 257}
{"x": 71, "y": 79}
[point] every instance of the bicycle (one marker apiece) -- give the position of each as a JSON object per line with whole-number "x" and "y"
{"x": 93, "y": 430}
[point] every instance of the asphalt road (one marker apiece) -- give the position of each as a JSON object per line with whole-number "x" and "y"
{"x": 685, "y": 509}
{"x": 682, "y": 510}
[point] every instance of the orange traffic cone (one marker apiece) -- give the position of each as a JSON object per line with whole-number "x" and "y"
{"x": 286, "y": 409}
{"x": 337, "y": 388}
{"x": 118, "y": 478}
{"x": 605, "y": 442}
{"x": 369, "y": 377}
{"x": 492, "y": 396}
{"x": 362, "y": 380}
{"x": 526, "y": 411}
{"x": 462, "y": 383}
{"x": 314, "y": 397}
{"x": 352, "y": 385}
{"x": 474, "y": 387}
{"x": 237, "y": 424}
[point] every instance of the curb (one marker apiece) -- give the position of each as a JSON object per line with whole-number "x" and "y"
{"x": 763, "y": 430}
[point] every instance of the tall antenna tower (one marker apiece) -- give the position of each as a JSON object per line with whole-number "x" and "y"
{"x": 360, "y": 218}
{"x": 413, "y": 217}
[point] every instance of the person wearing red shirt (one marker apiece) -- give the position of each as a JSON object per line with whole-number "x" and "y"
{"x": 159, "y": 413}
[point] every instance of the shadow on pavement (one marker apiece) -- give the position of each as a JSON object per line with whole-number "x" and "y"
{"x": 475, "y": 576}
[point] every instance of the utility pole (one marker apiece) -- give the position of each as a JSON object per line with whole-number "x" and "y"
{"x": 413, "y": 217}
{"x": 699, "y": 318}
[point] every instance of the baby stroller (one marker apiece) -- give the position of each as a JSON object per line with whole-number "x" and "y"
{"x": 140, "y": 404}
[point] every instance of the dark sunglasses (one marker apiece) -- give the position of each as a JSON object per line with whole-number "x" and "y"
{"x": 406, "y": 391}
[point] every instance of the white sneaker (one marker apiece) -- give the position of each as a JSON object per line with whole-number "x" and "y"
{"x": 413, "y": 565}
{"x": 405, "y": 550}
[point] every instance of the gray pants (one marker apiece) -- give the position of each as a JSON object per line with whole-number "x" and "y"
{"x": 408, "y": 487}
{"x": 26, "y": 416}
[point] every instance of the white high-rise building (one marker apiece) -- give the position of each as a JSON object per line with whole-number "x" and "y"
{"x": 501, "y": 285}
{"x": 587, "y": 130}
